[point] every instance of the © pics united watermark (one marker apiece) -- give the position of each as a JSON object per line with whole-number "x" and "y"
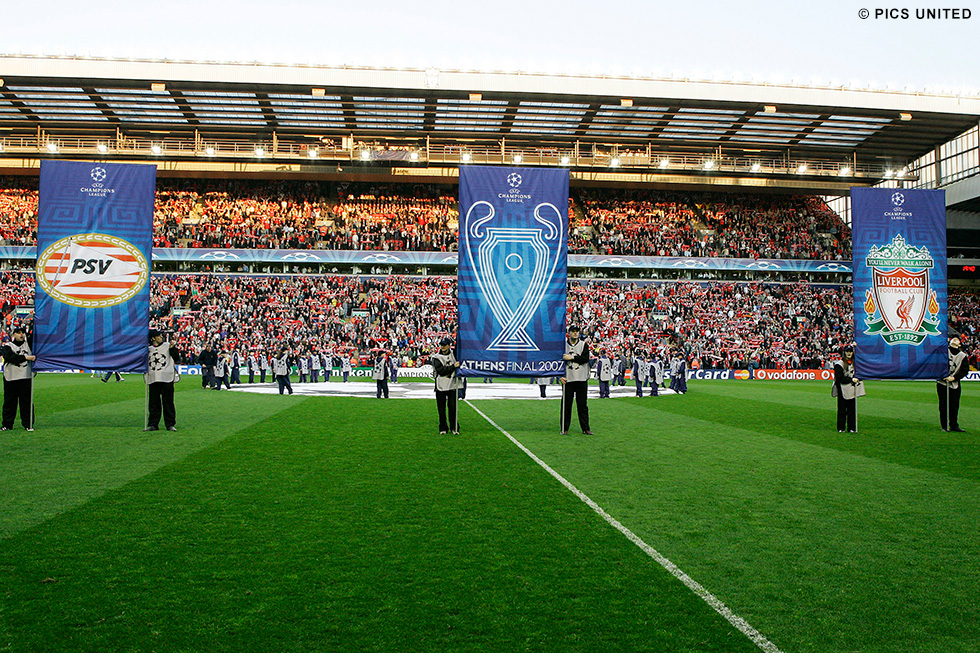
{"x": 915, "y": 13}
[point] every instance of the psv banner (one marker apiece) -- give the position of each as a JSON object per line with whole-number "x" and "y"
{"x": 899, "y": 285}
{"x": 513, "y": 271}
{"x": 92, "y": 291}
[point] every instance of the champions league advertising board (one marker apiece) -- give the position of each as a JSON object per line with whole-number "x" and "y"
{"x": 513, "y": 271}
{"x": 92, "y": 291}
{"x": 899, "y": 283}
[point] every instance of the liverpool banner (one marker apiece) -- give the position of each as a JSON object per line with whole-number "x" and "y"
{"x": 513, "y": 271}
{"x": 92, "y": 293}
{"x": 899, "y": 241}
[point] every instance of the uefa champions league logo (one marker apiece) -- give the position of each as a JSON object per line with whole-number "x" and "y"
{"x": 506, "y": 259}
{"x": 98, "y": 174}
{"x": 898, "y": 199}
{"x": 514, "y": 180}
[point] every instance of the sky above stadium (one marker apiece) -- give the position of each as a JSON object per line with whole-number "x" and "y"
{"x": 826, "y": 42}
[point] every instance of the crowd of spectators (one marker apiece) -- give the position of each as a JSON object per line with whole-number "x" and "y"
{"x": 716, "y": 324}
{"x": 339, "y": 314}
{"x": 248, "y": 214}
{"x": 719, "y": 324}
{"x": 667, "y": 223}
{"x": 18, "y": 211}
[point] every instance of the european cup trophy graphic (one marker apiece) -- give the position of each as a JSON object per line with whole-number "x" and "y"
{"x": 513, "y": 267}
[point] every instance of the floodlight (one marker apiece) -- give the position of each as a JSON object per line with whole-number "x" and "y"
{"x": 365, "y": 155}
{"x": 156, "y": 149}
{"x": 664, "y": 162}
{"x": 414, "y": 156}
{"x": 801, "y": 169}
{"x": 52, "y": 147}
{"x": 709, "y": 164}
{"x": 259, "y": 151}
{"x": 102, "y": 148}
{"x": 888, "y": 174}
{"x": 615, "y": 162}
{"x": 905, "y": 116}
{"x": 313, "y": 153}
{"x": 209, "y": 151}
{"x": 843, "y": 172}
{"x": 769, "y": 108}
{"x": 756, "y": 167}
{"x": 565, "y": 160}
{"x": 518, "y": 158}
{"x": 466, "y": 157}
{"x": 158, "y": 87}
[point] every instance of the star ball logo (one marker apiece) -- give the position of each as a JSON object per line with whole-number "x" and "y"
{"x": 898, "y": 199}
{"x": 514, "y": 195}
{"x": 98, "y": 189}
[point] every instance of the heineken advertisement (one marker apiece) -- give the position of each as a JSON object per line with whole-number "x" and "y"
{"x": 899, "y": 241}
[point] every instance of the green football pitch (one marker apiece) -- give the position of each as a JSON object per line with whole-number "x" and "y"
{"x": 272, "y": 523}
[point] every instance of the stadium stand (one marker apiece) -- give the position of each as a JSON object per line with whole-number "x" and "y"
{"x": 240, "y": 214}
{"x": 718, "y": 324}
{"x": 660, "y": 223}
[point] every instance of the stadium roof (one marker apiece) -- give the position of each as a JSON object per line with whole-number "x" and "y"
{"x": 606, "y": 121}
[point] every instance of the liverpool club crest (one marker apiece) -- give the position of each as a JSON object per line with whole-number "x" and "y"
{"x": 901, "y": 307}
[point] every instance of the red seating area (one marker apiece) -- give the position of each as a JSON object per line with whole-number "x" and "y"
{"x": 239, "y": 214}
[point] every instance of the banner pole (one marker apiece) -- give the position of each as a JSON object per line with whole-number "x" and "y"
{"x": 561, "y": 413}
{"x": 948, "y": 424}
{"x": 146, "y": 405}
{"x": 30, "y": 419}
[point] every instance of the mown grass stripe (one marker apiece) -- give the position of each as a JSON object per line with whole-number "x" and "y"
{"x": 716, "y": 604}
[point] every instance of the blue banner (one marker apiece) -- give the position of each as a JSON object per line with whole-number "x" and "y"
{"x": 899, "y": 283}
{"x": 94, "y": 241}
{"x": 513, "y": 271}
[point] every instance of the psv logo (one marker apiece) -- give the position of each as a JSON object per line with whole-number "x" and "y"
{"x": 92, "y": 270}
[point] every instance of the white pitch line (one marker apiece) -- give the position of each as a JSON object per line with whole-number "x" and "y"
{"x": 717, "y": 605}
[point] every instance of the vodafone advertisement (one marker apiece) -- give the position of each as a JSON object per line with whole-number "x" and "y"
{"x": 762, "y": 375}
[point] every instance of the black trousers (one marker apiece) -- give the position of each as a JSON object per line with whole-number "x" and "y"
{"x": 446, "y": 398}
{"x": 382, "y": 387}
{"x": 162, "y": 401}
{"x": 577, "y": 390}
{"x": 17, "y": 394}
{"x": 846, "y": 414}
{"x": 284, "y": 383}
{"x": 603, "y": 389}
{"x": 953, "y": 401}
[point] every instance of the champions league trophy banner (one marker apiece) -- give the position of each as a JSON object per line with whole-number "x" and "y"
{"x": 92, "y": 293}
{"x": 513, "y": 271}
{"x": 899, "y": 241}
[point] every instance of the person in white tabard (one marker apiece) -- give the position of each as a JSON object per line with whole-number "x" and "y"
{"x": 18, "y": 374}
{"x": 160, "y": 381}
{"x": 576, "y": 381}
{"x": 445, "y": 368}
{"x": 846, "y": 389}
{"x": 605, "y": 374}
{"x": 948, "y": 387}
